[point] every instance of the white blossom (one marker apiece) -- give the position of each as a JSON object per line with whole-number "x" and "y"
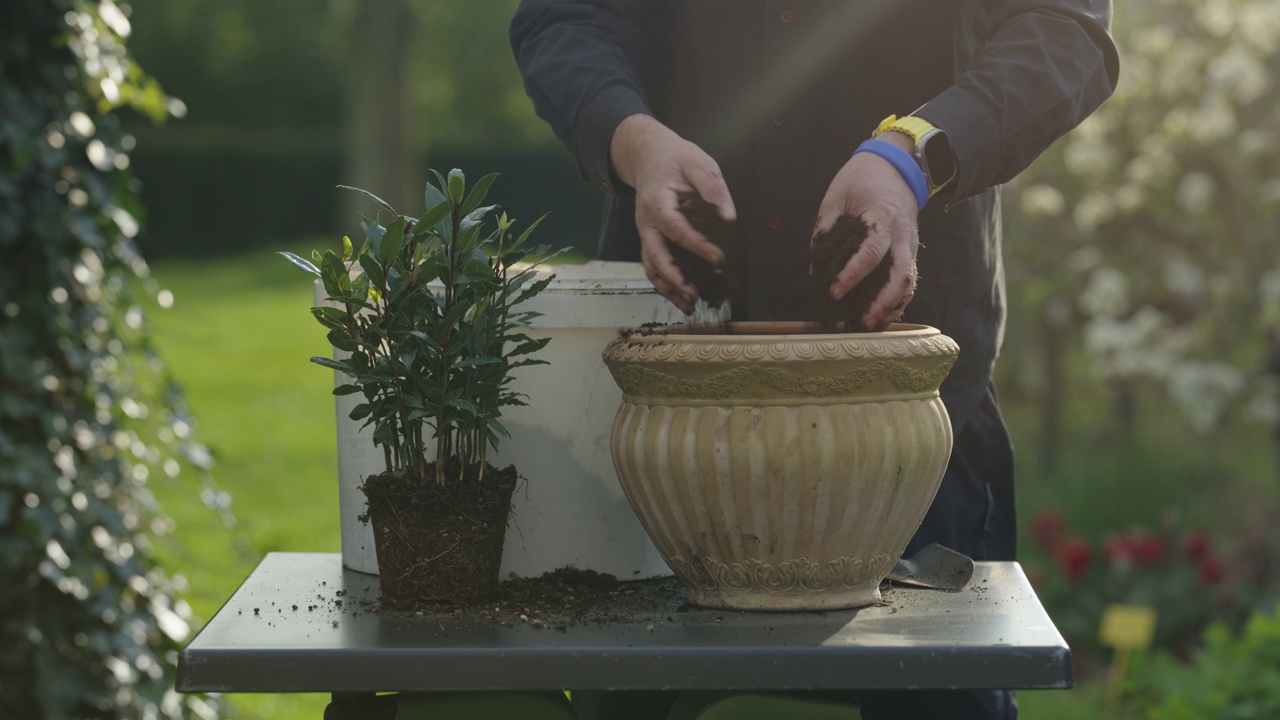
{"x": 1269, "y": 296}
{"x": 1213, "y": 122}
{"x": 1144, "y": 344}
{"x": 1106, "y": 294}
{"x": 1264, "y": 406}
{"x": 1129, "y": 197}
{"x": 1240, "y": 74}
{"x": 1086, "y": 156}
{"x": 1183, "y": 278}
{"x": 1093, "y": 210}
{"x": 1217, "y": 16}
{"x": 1204, "y": 390}
{"x": 1260, "y": 25}
{"x": 1041, "y": 200}
{"x": 1195, "y": 191}
{"x": 1085, "y": 259}
{"x": 1256, "y": 142}
{"x": 1269, "y": 191}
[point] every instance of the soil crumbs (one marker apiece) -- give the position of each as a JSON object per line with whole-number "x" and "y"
{"x": 559, "y": 600}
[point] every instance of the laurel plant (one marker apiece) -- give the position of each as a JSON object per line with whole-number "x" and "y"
{"x": 427, "y": 312}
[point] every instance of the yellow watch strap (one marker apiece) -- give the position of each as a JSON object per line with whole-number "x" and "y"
{"x": 908, "y": 125}
{"x": 915, "y": 128}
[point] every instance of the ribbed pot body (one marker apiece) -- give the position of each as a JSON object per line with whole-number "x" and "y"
{"x": 776, "y": 469}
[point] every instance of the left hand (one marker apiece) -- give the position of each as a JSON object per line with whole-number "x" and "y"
{"x": 869, "y": 187}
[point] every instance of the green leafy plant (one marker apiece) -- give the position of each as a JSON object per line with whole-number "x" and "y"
{"x": 90, "y": 622}
{"x": 1233, "y": 677}
{"x": 427, "y": 312}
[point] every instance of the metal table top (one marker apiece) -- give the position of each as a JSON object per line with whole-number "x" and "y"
{"x": 995, "y": 633}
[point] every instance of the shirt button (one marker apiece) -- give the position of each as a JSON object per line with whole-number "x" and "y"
{"x": 778, "y": 120}
{"x": 785, "y": 16}
{"x": 773, "y": 222}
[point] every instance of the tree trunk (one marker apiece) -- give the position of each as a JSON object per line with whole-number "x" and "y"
{"x": 1125, "y": 407}
{"x": 1273, "y": 369}
{"x": 1057, "y": 313}
{"x": 378, "y": 153}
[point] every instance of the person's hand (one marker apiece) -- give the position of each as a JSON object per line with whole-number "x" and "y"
{"x": 662, "y": 167}
{"x": 869, "y": 187}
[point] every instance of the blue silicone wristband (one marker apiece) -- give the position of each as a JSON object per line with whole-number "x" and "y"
{"x": 902, "y": 161}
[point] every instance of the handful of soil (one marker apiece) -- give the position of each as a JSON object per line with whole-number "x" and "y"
{"x": 828, "y": 254}
{"x": 713, "y": 283}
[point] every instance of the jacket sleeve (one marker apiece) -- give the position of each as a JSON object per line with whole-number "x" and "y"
{"x": 1036, "y": 69}
{"x": 581, "y": 65}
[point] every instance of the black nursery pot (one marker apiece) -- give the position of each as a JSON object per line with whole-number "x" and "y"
{"x": 439, "y": 544}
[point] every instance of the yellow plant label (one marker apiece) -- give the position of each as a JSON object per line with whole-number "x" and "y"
{"x": 1130, "y": 627}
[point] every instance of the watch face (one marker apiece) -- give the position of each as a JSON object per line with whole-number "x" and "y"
{"x": 938, "y": 160}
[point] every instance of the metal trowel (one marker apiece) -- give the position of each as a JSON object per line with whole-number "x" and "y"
{"x": 934, "y": 566}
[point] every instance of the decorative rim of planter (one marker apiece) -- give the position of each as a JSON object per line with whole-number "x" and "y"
{"x": 780, "y": 363}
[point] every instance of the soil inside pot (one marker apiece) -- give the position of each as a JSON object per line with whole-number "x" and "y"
{"x": 829, "y": 252}
{"x": 439, "y": 542}
{"x": 715, "y": 285}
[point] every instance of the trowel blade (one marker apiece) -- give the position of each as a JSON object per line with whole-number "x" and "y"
{"x": 934, "y": 566}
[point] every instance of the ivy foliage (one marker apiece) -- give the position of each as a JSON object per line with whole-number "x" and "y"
{"x": 89, "y": 625}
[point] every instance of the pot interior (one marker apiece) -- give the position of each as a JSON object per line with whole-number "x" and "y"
{"x": 777, "y": 329}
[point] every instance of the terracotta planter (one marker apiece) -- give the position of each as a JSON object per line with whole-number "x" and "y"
{"x": 779, "y": 470}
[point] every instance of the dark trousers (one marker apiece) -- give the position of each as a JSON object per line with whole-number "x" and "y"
{"x": 973, "y": 513}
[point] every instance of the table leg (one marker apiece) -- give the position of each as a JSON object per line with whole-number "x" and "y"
{"x": 450, "y": 706}
{"x": 741, "y": 705}
{"x": 623, "y": 704}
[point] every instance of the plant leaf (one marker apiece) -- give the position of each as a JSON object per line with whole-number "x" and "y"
{"x": 373, "y": 271}
{"x": 374, "y": 232}
{"x": 430, "y": 219}
{"x": 528, "y": 231}
{"x": 300, "y": 263}
{"x": 392, "y": 241}
{"x": 332, "y": 364}
{"x": 478, "y": 192}
{"x": 381, "y": 203}
{"x": 457, "y": 185}
{"x": 330, "y": 317}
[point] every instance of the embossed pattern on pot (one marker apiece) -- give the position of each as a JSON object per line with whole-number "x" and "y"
{"x": 816, "y": 485}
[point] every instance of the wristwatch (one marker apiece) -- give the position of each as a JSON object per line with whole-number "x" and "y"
{"x": 933, "y": 149}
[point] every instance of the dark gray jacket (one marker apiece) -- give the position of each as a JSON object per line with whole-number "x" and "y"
{"x": 780, "y": 93}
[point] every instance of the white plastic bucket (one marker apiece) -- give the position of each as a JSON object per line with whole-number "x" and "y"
{"x": 571, "y": 512}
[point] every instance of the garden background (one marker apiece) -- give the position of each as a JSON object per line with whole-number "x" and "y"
{"x": 1140, "y": 377}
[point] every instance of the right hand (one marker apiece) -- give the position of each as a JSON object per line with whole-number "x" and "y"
{"x": 662, "y": 167}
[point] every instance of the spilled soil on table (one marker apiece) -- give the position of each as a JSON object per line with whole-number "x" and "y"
{"x": 556, "y": 600}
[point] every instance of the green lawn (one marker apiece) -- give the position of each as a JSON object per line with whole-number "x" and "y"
{"x": 238, "y": 339}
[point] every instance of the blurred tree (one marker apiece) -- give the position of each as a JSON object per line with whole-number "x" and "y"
{"x": 265, "y": 73}
{"x": 377, "y": 141}
{"x": 89, "y": 625}
{"x": 289, "y": 98}
{"x": 1157, "y": 219}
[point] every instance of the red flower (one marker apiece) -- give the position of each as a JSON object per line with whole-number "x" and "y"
{"x": 1148, "y": 550}
{"x": 1195, "y": 544}
{"x": 1046, "y": 527}
{"x": 1120, "y": 550}
{"x": 1074, "y": 555}
{"x": 1211, "y": 571}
